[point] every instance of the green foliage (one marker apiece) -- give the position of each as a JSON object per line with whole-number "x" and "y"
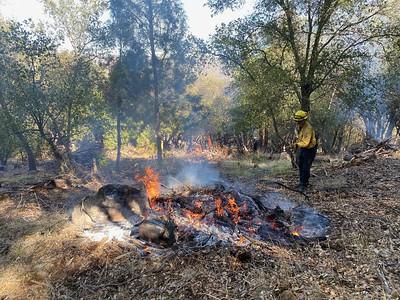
{"x": 157, "y": 30}
{"x": 210, "y": 104}
{"x": 307, "y": 50}
{"x": 110, "y": 138}
{"x": 78, "y": 21}
{"x": 259, "y": 167}
{"x": 136, "y": 74}
{"x": 53, "y": 93}
{"x": 146, "y": 140}
{"x": 264, "y": 100}
{"x": 313, "y": 41}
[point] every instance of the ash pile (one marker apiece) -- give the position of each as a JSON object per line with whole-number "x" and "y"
{"x": 195, "y": 216}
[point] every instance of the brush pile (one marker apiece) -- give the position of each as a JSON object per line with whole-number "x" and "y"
{"x": 370, "y": 150}
{"x": 196, "y": 217}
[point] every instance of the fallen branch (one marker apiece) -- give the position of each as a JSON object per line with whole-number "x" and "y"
{"x": 382, "y": 277}
{"x": 284, "y": 186}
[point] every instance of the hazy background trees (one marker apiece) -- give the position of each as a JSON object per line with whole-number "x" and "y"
{"x": 114, "y": 73}
{"x": 328, "y": 56}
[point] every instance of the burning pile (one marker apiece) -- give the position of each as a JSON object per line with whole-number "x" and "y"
{"x": 207, "y": 215}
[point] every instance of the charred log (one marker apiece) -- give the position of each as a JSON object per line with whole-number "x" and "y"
{"x": 157, "y": 231}
{"x": 113, "y": 202}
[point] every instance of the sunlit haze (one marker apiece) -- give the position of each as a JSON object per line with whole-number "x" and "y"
{"x": 199, "y": 16}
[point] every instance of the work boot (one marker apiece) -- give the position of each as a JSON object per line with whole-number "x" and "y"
{"x": 301, "y": 188}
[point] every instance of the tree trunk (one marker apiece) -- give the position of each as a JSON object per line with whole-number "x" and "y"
{"x": 263, "y": 136}
{"x": 239, "y": 145}
{"x": 288, "y": 147}
{"x": 306, "y": 91}
{"x": 244, "y": 142}
{"x": 69, "y": 130}
{"x": 154, "y": 63}
{"x": 119, "y": 140}
{"x": 209, "y": 142}
{"x": 63, "y": 163}
{"x": 389, "y": 130}
{"x": 379, "y": 129}
{"x": 5, "y": 158}
{"x": 332, "y": 146}
{"x": 71, "y": 104}
{"x": 28, "y": 150}
{"x": 368, "y": 127}
{"x": 349, "y": 137}
{"x": 340, "y": 139}
{"x": 32, "y": 165}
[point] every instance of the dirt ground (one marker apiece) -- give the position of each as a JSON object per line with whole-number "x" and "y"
{"x": 43, "y": 256}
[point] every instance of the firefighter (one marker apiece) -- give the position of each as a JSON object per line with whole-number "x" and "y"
{"x": 306, "y": 146}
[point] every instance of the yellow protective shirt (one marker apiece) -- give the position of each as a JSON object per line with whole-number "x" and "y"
{"x": 306, "y": 137}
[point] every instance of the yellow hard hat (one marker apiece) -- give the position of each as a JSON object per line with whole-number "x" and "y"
{"x": 300, "y": 115}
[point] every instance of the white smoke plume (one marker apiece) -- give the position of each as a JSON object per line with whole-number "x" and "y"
{"x": 195, "y": 175}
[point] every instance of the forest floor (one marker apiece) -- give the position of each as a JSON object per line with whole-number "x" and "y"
{"x": 42, "y": 255}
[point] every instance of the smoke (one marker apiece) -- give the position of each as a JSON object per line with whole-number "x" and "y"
{"x": 195, "y": 175}
{"x": 309, "y": 221}
{"x": 274, "y": 199}
{"x": 313, "y": 224}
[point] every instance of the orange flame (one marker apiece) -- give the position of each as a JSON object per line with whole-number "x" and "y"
{"x": 192, "y": 215}
{"x": 218, "y": 207}
{"x": 197, "y": 214}
{"x": 151, "y": 181}
{"x": 296, "y": 231}
{"x": 242, "y": 240}
{"x": 234, "y": 209}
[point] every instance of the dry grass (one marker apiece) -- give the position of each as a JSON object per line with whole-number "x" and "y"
{"x": 17, "y": 178}
{"x": 42, "y": 256}
{"x": 249, "y": 168}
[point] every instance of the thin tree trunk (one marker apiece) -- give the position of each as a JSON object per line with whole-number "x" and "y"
{"x": 340, "y": 139}
{"x": 379, "y": 130}
{"x": 119, "y": 140}
{"x": 154, "y": 63}
{"x": 288, "y": 147}
{"x": 239, "y": 145}
{"x": 32, "y": 165}
{"x": 306, "y": 91}
{"x": 63, "y": 163}
{"x": 69, "y": 130}
{"x": 75, "y": 67}
{"x": 349, "y": 137}
{"x": 263, "y": 136}
{"x": 244, "y": 142}
{"x": 209, "y": 142}
{"x": 4, "y": 158}
{"x": 333, "y": 140}
{"x": 389, "y": 130}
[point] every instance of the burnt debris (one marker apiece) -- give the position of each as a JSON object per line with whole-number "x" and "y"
{"x": 203, "y": 215}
